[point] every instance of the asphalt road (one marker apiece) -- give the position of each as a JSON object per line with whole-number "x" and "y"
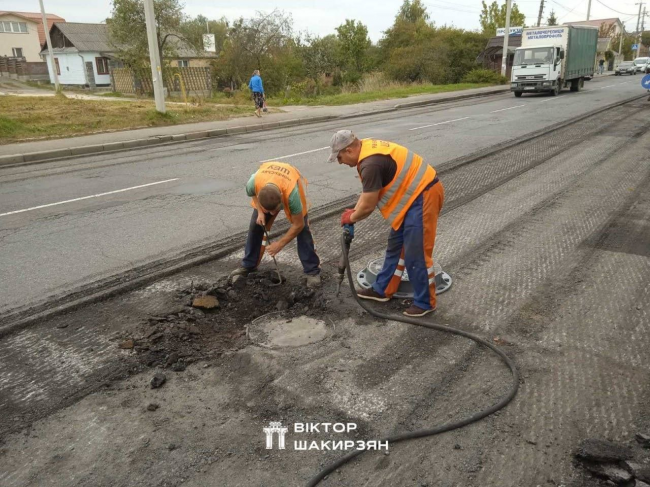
{"x": 548, "y": 243}
{"x": 66, "y": 224}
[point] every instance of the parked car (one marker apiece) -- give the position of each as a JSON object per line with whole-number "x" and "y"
{"x": 627, "y": 67}
{"x": 642, "y": 64}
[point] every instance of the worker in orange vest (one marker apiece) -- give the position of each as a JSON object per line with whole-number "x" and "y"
{"x": 276, "y": 186}
{"x": 409, "y": 196}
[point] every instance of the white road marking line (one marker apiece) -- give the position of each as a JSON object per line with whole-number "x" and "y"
{"x": 294, "y": 155}
{"x": 301, "y": 153}
{"x": 608, "y": 86}
{"x": 87, "y": 197}
{"x": 439, "y": 123}
{"x": 509, "y": 108}
{"x": 548, "y": 99}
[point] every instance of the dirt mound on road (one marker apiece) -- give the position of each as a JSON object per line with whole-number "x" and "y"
{"x": 212, "y": 318}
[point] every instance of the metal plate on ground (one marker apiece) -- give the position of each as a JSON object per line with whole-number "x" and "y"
{"x": 276, "y": 331}
{"x": 367, "y": 277}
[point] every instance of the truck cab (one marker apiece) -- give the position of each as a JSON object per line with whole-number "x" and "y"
{"x": 537, "y": 69}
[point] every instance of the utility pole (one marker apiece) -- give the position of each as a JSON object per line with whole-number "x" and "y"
{"x": 620, "y": 44}
{"x": 506, "y": 36}
{"x": 541, "y": 11}
{"x": 588, "y": 9}
{"x": 154, "y": 56}
{"x": 207, "y": 26}
{"x": 46, "y": 28}
{"x": 638, "y": 32}
{"x": 642, "y": 27}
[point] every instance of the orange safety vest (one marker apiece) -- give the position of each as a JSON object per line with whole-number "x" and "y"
{"x": 285, "y": 177}
{"x": 411, "y": 177}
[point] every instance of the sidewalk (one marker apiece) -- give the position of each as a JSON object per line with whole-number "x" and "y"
{"x": 43, "y": 150}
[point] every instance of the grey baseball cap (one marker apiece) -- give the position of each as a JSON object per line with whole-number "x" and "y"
{"x": 340, "y": 140}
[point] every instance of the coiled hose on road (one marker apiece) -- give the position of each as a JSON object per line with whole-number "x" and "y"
{"x": 438, "y": 429}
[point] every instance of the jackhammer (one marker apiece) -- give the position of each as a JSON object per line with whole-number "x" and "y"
{"x": 348, "y": 236}
{"x": 344, "y": 269}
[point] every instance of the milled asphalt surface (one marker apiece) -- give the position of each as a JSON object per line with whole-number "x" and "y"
{"x": 52, "y": 251}
{"x": 548, "y": 244}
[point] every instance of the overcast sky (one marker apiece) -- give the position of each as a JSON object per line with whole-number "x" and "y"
{"x": 321, "y": 17}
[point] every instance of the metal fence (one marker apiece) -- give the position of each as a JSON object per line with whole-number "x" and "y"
{"x": 194, "y": 80}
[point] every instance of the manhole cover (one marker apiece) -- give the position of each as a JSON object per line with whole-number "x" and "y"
{"x": 368, "y": 276}
{"x": 275, "y": 331}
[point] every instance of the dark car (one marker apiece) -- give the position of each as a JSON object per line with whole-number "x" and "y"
{"x": 627, "y": 67}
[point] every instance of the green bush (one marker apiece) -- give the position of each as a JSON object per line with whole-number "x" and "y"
{"x": 480, "y": 75}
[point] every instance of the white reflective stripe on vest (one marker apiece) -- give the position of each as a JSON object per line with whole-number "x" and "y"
{"x": 409, "y": 192}
{"x": 398, "y": 181}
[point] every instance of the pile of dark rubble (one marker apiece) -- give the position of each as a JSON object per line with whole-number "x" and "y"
{"x": 617, "y": 464}
{"x": 210, "y": 318}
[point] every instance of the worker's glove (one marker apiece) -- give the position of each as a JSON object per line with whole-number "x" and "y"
{"x": 345, "y": 217}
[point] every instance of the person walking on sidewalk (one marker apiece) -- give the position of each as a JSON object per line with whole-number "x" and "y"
{"x": 409, "y": 196}
{"x": 255, "y": 85}
{"x": 276, "y": 186}
{"x": 601, "y": 66}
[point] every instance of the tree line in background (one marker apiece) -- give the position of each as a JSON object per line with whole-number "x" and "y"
{"x": 413, "y": 49}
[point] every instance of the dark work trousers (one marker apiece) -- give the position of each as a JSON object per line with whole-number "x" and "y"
{"x": 256, "y": 244}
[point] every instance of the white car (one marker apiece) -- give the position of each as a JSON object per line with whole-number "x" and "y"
{"x": 642, "y": 64}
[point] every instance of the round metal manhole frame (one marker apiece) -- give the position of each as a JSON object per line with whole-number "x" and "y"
{"x": 367, "y": 277}
{"x": 280, "y": 315}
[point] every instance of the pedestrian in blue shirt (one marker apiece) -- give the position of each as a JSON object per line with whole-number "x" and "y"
{"x": 255, "y": 85}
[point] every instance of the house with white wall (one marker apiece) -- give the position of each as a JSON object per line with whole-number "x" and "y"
{"x": 81, "y": 54}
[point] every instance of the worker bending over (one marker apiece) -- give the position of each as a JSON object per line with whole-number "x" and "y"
{"x": 409, "y": 196}
{"x": 276, "y": 186}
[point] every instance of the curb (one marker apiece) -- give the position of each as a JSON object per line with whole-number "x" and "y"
{"x": 49, "y": 155}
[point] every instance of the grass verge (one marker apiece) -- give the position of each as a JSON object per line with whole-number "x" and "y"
{"x": 382, "y": 94}
{"x": 24, "y": 118}
{"x": 394, "y": 90}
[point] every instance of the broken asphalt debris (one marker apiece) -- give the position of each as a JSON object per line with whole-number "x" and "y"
{"x": 158, "y": 380}
{"x": 207, "y": 319}
{"x": 616, "y": 463}
{"x": 206, "y": 301}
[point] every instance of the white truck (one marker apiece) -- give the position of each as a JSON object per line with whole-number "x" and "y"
{"x": 551, "y": 58}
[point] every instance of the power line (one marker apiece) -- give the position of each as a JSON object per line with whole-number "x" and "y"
{"x": 461, "y": 5}
{"x": 444, "y": 7}
{"x": 620, "y": 13}
{"x": 567, "y": 10}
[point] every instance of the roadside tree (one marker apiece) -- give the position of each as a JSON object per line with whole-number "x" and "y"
{"x": 493, "y": 16}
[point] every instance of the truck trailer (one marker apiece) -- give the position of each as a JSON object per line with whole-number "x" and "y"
{"x": 552, "y": 58}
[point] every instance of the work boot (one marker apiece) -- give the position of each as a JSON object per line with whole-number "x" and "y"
{"x": 415, "y": 311}
{"x": 313, "y": 281}
{"x": 241, "y": 271}
{"x": 372, "y": 295}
